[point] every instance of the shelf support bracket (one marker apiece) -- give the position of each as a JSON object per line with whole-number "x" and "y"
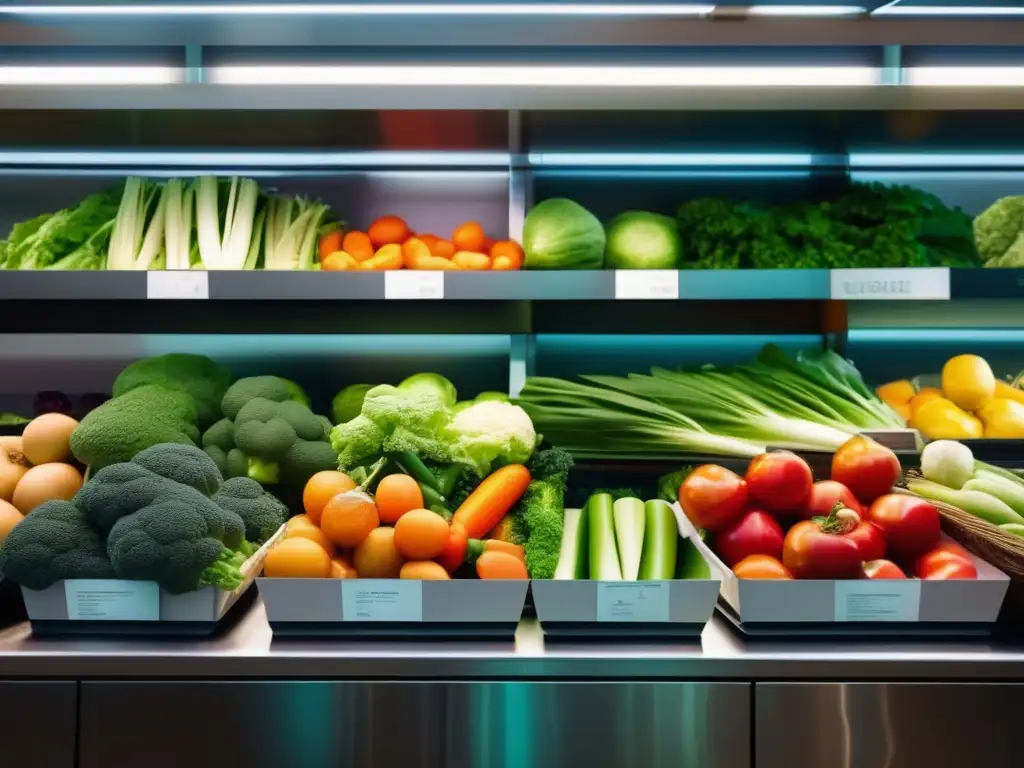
{"x": 522, "y": 359}
{"x": 194, "y": 73}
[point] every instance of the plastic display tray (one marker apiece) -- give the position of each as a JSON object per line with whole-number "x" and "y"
{"x": 393, "y": 608}
{"x": 114, "y": 607}
{"x": 601, "y": 610}
{"x": 904, "y": 608}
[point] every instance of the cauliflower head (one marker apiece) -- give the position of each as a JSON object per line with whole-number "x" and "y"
{"x": 492, "y": 432}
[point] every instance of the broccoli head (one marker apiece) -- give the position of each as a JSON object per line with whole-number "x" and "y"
{"x": 242, "y": 391}
{"x": 999, "y": 233}
{"x": 269, "y": 437}
{"x": 197, "y": 376}
{"x": 219, "y": 445}
{"x": 123, "y": 427}
{"x": 543, "y": 511}
{"x": 174, "y": 544}
{"x": 54, "y": 542}
{"x": 262, "y": 513}
{"x": 395, "y": 421}
{"x": 183, "y": 464}
{"x": 119, "y": 490}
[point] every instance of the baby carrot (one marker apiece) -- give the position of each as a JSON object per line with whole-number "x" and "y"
{"x": 500, "y": 565}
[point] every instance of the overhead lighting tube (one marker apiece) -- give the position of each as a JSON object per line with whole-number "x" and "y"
{"x": 544, "y": 76}
{"x": 974, "y": 77}
{"x": 77, "y": 75}
{"x": 351, "y": 9}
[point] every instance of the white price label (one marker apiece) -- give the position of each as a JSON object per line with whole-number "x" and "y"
{"x": 646, "y": 284}
{"x": 381, "y": 600}
{"x": 112, "y": 600}
{"x": 875, "y": 601}
{"x": 634, "y": 601}
{"x": 890, "y": 284}
{"x": 413, "y": 284}
{"x": 175, "y": 284}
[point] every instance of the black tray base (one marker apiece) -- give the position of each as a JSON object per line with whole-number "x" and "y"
{"x": 399, "y": 630}
{"x": 638, "y": 631}
{"x": 852, "y": 630}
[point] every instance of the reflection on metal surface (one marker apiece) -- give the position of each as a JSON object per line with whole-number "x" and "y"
{"x": 266, "y": 724}
{"x": 873, "y": 725}
{"x": 37, "y": 725}
{"x": 655, "y": 725}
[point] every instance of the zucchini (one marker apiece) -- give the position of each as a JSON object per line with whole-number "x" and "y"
{"x": 629, "y": 535}
{"x": 574, "y": 554}
{"x": 604, "y": 557}
{"x": 1007, "y": 491}
{"x": 1015, "y": 528}
{"x": 978, "y": 503}
{"x": 690, "y": 563}
{"x": 661, "y": 542}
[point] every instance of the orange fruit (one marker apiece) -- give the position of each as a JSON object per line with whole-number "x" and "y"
{"x": 388, "y": 230}
{"x": 297, "y": 558}
{"x": 357, "y": 245}
{"x": 423, "y": 570}
{"x": 321, "y": 488}
{"x": 376, "y": 557}
{"x": 9, "y": 517}
{"x": 396, "y": 495}
{"x": 349, "y": 518}
{"x": 312, "y": 533}
{"x": 421, "y": 534}
{"x": 469, "y": 237}
{"x": 296, "y": 521}
{"x": 342, "y": 568}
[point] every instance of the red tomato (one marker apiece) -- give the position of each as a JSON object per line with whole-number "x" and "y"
{"x": 823, "y": 549}
{"x": 756, "y": 533}
{"x": 881, "y": 569}
{"x": 825, "y": 494}
{"x": 945, "y": 561}
{"x": 911, "y": 525}
{"x": 713, "y": 497}
{"x": 761, "y": 567}
{"x": 865, "y": 467}
{"x": 953, "y": 569}
{"x": 870, "y": 539}
{"x": 779, "y": 481}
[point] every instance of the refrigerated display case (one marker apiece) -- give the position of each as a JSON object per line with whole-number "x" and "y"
{"x": 455, "y": 112}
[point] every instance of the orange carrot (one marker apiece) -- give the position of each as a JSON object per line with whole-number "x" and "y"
{"x": 471, "y": 260}
{"x": 500, "y": 565}
{"x": 454, "y": 553}
{"x": 357, "y": 245}
{"x": 330, "y": 243}
{"x": 476, "y": 548}
{"x": 495, "y": 496}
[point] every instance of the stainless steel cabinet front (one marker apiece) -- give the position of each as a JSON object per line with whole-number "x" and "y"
{"x": 265, "y": 724}
{"x": 618, "y": 725}
{"x": 897, "y": 725}
{"x": 37, "y": 724}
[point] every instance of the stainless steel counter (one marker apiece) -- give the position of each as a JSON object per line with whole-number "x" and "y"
{"x": 247, "y": 650}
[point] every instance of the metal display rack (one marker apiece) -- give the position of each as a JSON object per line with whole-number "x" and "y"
{"x": 716, "y": 702}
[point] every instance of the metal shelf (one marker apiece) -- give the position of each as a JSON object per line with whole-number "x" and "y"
{"x": 241, "y": 27}
{"x": 211, "y": 97}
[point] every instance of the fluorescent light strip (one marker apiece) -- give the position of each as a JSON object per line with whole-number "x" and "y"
{"x": 806, "y": 10}
{"x": 545, "y": 76}
{"x": 997, "y": 77}
{"x": 667, "y": 160}
{"x": 341, "y": 9}
{"x": 66, "y": 75}
{"x": 943, "y": 10}
{"x": 382, "y": 159}
{"x": 952, "y": 159}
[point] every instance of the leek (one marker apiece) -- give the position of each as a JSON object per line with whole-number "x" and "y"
{"x": 226, "y": 248}
{"x": 291, "y": 232}
{"x": 137, "y": 239}
{"x": 179, "y": 225}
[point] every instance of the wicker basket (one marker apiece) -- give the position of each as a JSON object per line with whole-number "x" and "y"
{"x": 993, "y": 545}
